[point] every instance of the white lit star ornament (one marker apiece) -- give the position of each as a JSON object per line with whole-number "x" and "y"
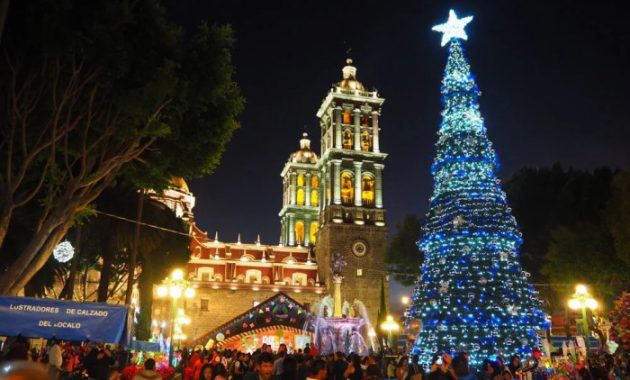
{"x": 453, "y": 28}
{"x": 63, "y": 252}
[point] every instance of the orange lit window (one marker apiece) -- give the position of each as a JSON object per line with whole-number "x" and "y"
{"x": 314, "y": 181}
{"x": 347, "y": 117}
{"x": 314, "y": 198}
{"x": 366, "y": 141}
{"x": 347, "y": 139}
{"x": 347, "y": 189}
{"x": 367, "y": 190}
{"x": 365, "y": 120}
{"x": 299, "y": 232}
{"x": 313, "y": 232}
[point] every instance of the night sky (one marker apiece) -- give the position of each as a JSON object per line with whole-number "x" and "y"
{"x": 553, "y": 75}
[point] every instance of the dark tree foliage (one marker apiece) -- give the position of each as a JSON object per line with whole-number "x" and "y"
{"x": 403, "y": 256}
{"x": 94, "y": 90}
{"x": 568, "y": 219}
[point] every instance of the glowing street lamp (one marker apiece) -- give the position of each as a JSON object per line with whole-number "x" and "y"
{"x": 389, "y": 325}
{"x": 405, "y": 300}
{"x": 582, "y": 300}
{"x": 174, "y": 287}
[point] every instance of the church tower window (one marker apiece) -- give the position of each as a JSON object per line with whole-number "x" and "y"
{"x": 314, "y": 198}
{"x": 347, "y": 117}
{"x": 367, "y": 190}
{"x": 314, "y": 181}
{"x": 299, "y": 232}
{"x": 300, "y": 180}
{"x": 299, "y": 197}
{"x": 347, "y": 139}
{"x": 313, "y": 232}
{"x": 366, "y": 141}
{"x": 347, "y": 188}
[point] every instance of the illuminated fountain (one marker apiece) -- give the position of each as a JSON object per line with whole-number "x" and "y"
{"x": 338, "y": 325}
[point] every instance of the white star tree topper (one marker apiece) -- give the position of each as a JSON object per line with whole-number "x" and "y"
{"x": 453, "y": 28}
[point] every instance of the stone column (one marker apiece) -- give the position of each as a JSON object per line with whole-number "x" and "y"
{"x": 336, "y": 182}
{"x": 337, "y": 302}
{"x": 357, "y": 183}
{"x": 378, "y": 168}
{"x": 307, "y": 189}
{"x": 293, "y": 187}
{"x": 337, "y": 143}
{"x": 291, "y": 229}
{"x": 375, "y": 145}
{"x": 357, "y": 129}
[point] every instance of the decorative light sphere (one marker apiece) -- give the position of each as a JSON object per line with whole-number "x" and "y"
{"x": 63, "y": 252}
{"x": 175, "y": 292}
{"x": 580, "y": 289}
{"x": 591, "y": 303}
{"x": 189, "y": 293}
{"x": 575, "y": 304}
{"x": 177, "y": 274}
{"x": 162, "y": 291}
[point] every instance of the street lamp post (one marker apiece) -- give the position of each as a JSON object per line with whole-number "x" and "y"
{"x": 581, "y": 300}
{"x": 389, "y": 325}
{"x": 174, "y": 287}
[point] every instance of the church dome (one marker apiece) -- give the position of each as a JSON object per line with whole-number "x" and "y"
{"x": 179, "y": 183}
{"x": 350, "y": 81}
{"x": 304, "y": 155}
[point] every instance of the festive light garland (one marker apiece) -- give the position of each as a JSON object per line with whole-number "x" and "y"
{"x": 472, "y": 294}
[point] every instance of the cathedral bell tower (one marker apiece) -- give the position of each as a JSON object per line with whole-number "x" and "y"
{"x": 301, "y": 194}
{"x": 351, "y": 211}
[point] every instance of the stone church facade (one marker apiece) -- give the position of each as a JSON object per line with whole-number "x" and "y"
{"x": 331, "y": 202}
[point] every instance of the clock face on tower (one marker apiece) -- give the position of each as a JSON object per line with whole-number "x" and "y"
{"x": 359, "y": 248}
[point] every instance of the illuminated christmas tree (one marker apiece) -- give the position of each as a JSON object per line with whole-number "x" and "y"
{"x": 472, "y": 294}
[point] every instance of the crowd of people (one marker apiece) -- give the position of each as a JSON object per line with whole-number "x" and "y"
{"x": 101, "y": 362}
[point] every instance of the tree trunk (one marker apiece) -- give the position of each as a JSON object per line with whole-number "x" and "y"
{"x": 134, "y": 251}
{"x": 13, "y": 280}
{"x": 68, "y": 289}
{"x": 145, "y": 285}
{"x": 5, "y": 217}
{"x": 39, "y": 257}
{"x": 106, "y": 270}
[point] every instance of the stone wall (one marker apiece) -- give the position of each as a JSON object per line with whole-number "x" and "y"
{"x": 362, "y": 275}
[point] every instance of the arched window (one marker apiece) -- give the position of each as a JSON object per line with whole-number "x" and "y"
{"x": 347, "y": 117}
{"x": 299, "y": 197}
{"x": 299, "y": 279}
{"x": 365, "y": 120}
{"x": 314, "y": 198}
{"x": 347, "y": 139}
{"x": 299, "y": 232}
{"x": 313, "y": 232}
{"x": 367, "y": 190}
{"x": 253, "y": 276}
{"x": 366, "y": 141}
{"x": 347, "y": 188}
{"x": 205, "y": 274}
{"x": 300, "y": 180}
{"x": 314, "y": 181}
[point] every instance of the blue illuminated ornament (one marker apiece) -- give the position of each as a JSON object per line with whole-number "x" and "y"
{"x": 63, "y": 252}
{"x": 453, "y": 28}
